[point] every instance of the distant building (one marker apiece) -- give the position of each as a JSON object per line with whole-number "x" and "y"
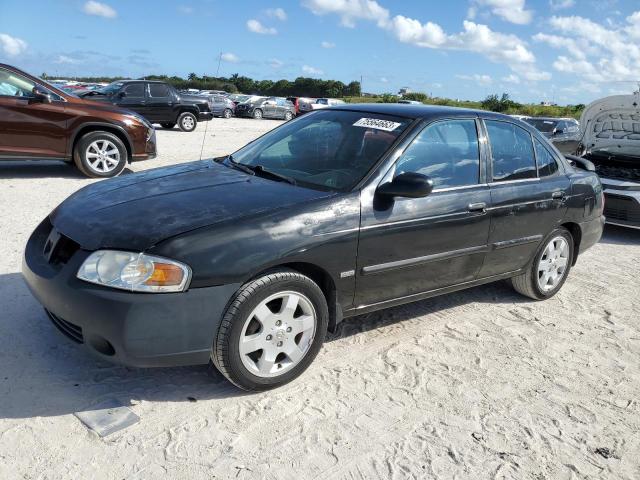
{"x": 404, "y": 91}
{"x": 548, "y": 104}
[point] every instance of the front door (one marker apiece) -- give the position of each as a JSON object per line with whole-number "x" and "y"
{"x": 133, "y": 96}
{"x": 527, "y": 195}
{"x": 410, "y": 246}
{"x": 270, "y": 108}
{"x": 28, "y": 126}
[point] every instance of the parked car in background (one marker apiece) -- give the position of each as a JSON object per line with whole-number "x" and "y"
{"x": 410, "y": 102}
{"x": 564, "y": 133}
{"x": 321, "y": 103}
{"x": 237, "y": 98}
{"x": 41, "y": 122}
{"x": 266, "y": 107}
{"x": 213, "y": 92}
{"x": 343, "y": 212}
{"x": 610, "y": 139}
{"x": 157, "y": 101}
{"x": 296, "y": 102}
{"x": 222, "y": 106}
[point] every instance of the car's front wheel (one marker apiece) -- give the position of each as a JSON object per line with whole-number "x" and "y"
{"x": 549, "y": 269}
{"x": 227, "y": 113}
{"x": 100, "y": 155}
{"x": 257, "y": 114}
{"x": 288, "y": 116}
{"x": 271, "y": 331}
{"x": 187, "y": 122}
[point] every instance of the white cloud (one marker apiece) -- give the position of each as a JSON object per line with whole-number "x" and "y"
{"x": 12, "y": 46}
{"x": 99, "y": 9}
{"x": 511, "y": 79}
{"x": 256, "y": 27}
{"x": 482, "y": 80}
{"x": 513, "y": 11}
{"x": 275, "y": 63}
{"x": 186, "y": 9}
{"x": 229, "y": 57}
{"x": 311, "y": 70}
{"x": 561, "y": 4}
{"x": 278, "y": 13}
{"x": 349, "y": 10}
{"x": 498, "y": 47}
{"x": 64, "y": 59}
{"x": 326, "y": 44}
{"x": 384, "y": 80}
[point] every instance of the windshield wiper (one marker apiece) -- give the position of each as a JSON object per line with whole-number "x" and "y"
{"x": 239, "y": 166}
{"x": 260, "y": 169}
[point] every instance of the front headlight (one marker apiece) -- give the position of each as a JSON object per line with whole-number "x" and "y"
{"x": 135, "y": 272}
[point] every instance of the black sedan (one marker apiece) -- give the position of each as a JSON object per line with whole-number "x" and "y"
{"x": 248, "y": 259}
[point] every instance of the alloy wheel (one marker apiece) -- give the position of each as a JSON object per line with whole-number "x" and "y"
{"x": 552, "y": 265}
{"x": 188, "y": 123}
{"x": 277, "y": 334}
{"x": 103, "y": 156}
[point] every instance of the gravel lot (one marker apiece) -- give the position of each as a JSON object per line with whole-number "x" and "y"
{"x": 477, "y": 384}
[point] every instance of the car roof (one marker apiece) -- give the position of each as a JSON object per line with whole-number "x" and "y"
{"x": 418, "y": 111}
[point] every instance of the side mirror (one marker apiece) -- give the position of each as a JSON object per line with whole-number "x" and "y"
{"x": 409, "y": 185}
{"x": 558, "y": 131}
{"x": 41, "y": 95}
{"x": 122, "y": 94}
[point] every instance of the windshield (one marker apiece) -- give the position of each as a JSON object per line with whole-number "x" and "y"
{"x": 544, "y": 126}
{"x": 111, "y": 88}
{"x": 329, "y": 149}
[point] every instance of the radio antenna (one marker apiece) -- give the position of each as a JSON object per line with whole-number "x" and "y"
{"x": 204, "y": 138}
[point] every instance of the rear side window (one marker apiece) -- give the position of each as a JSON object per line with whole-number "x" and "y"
{"x": 445, "y": 151}
{"x": 511, "y": 151}
{"x": 547, "y": 164}
{"x": 158, "y": 90}
{"x": 134, "y": 90}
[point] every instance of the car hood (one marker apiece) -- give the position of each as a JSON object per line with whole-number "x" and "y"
{"x": 136, "y": 212}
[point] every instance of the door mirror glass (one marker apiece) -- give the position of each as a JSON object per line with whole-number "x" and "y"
{"x": 558, "y": 131}
{"x": 408, "y": 184}
{"x": 41, "y": 95}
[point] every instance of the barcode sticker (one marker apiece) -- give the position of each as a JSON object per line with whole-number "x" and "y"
{"x": 377, "y": 123}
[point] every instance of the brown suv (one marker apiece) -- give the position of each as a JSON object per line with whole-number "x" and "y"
{"x": 40, "y": 121}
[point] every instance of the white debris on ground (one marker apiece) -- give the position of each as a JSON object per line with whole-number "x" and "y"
{"x": 477, "y": 384}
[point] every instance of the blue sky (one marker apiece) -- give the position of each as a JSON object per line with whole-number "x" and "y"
{"x": 569, "y": 51}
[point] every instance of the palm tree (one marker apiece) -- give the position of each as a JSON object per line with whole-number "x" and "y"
{"x": 192, "y": 76}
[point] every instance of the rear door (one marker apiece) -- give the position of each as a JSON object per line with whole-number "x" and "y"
{"x": 159, "y": 107}
{"x": 29, "y": 127}
{"x": 528, "y": 196}
{"x": 413, "y": 245}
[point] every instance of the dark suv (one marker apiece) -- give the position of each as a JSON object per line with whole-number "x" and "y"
{"x": 40, "y": 121}
{"x": 158, "y": 102}
{"x": 266, "y": 107}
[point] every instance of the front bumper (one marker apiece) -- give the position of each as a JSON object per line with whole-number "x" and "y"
{"x": 136, "y": 329}
{"x": 150, "y": 150}
{"x": 622, "y": 202}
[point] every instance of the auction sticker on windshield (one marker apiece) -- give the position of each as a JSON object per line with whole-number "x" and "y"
{"x": 378, "y": 124}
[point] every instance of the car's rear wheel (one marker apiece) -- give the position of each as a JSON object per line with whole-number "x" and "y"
{"x": 100, "y": 155}
{"x": 549, "y": 269}
{"x": 271, "y": 331}
{"x": 187, "y": 122}
{"x": 227, "y": 113}
{"x": 257, "y": 114}
{"x": 288, "y": 116}
{"x": 168, "y": 125}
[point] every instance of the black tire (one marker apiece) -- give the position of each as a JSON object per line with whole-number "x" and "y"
{"x": 257, "y": 114}
{"x": 288, "y": 116}
{"x": 527, "y": 283}
{"x": 81, "y": 154}
{"x": 168, "y": 125}
{"x": 225, "y": 352}
{"x": 187, "y": 122}
{"x": 227, "y": 113}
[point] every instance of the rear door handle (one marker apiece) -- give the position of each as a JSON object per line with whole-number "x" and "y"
{"x": 559, "y": 195}
{"x": 477, "y": 207}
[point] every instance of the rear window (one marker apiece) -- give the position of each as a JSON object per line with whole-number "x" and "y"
{"x": 158, "y": 90}
{"x": 544, "y": 126}
{"x": 511, "y": 152}
{"x": 547, "y": 165}
{"x": 134, "y": 90}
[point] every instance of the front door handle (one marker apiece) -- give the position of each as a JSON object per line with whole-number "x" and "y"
{"x": 477, "y": 207}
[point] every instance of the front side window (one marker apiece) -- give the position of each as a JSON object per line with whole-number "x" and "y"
{"x": 14, "y": 85}
{"x": 511, "y": 151}
{"x": 447, "y": 152}
{"x": 330, "y": 150}
{"x": 547, "y": 164}
{"x": 158, "y": 90}
{"x": 134, "y": 90}
{"x": 111, "y": 88}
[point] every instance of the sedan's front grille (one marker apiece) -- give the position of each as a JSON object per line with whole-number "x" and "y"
{"x": 74, "y": 332}
{"x": 621, "y": 208}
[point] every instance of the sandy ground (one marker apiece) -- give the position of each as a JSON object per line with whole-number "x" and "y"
{"x": 472, "y": 385}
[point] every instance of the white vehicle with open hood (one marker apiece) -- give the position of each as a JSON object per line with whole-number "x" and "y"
{"x": 610, "y": 139}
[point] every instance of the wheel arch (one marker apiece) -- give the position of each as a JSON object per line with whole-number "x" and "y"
{"x": 99, "y": 127}
{"x": 576, "y": 233}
